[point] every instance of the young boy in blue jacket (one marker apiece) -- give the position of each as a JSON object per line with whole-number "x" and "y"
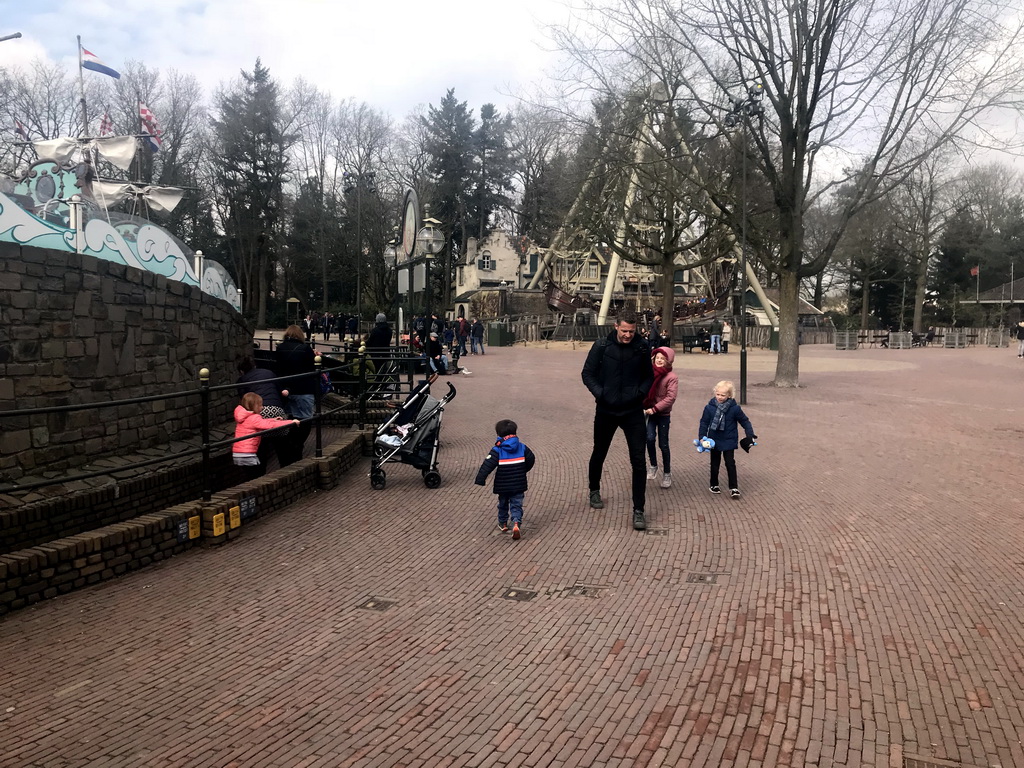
{"x": 513, "y": 460}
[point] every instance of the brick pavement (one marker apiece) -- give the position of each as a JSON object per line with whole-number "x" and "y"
{"x": 866, "y": 608}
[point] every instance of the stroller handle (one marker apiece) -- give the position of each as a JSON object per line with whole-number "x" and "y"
{"x": 451, "y": 393}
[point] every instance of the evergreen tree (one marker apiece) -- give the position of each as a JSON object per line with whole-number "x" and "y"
{"x": 250, "y": 165}
{"x": 493, "y": 169}
{"x": 450, "y": 145}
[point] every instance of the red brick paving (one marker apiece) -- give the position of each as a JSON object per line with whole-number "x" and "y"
{"x": 868, "y": 602}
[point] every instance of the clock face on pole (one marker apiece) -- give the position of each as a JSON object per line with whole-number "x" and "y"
{"x": 410, "y": 223}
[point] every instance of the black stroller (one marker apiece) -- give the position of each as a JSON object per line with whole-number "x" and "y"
{"x": 411, "y": 436}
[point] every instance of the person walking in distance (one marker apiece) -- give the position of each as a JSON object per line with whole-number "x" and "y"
{"x": 476, "y": 336}
{"x": 619, "y": 375}
{"x": 658, "y": 410}
{"x": 1020, "y": 338}
{"x": 513, "y": 459}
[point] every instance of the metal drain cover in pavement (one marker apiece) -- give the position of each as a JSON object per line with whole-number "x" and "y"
{"x": 702, "y": 578}
{"x": 376, "y": 604}
{"x": 657, "y": 532}
{"x": 521, "y": 595}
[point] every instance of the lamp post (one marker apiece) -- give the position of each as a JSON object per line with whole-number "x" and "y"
{"x": 355, "y": 183}
{"x": 742, "y": 110}
{"x": 12, "y": 36}
{"x": 429, "y": 241}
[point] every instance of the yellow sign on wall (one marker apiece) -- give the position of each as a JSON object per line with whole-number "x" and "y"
{"x": 218, "y": 524}
{"x": 235, "y": 516}
{"x": 194, "y": 527}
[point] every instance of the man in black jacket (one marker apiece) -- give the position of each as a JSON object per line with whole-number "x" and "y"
{"x": 619, "y": 375}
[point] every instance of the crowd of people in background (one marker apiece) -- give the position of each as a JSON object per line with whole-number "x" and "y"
{"x": 327, "y": 324}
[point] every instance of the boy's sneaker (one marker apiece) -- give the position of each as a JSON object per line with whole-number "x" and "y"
{"x": 595, "y": 500}
{"x": 715, "y": 489}
{"x": 503, "y": 527}
{"x": 666, "y": 481}
{"x": 515, "y": 531}
{"x": 639, "y": 523}
{"x": 652, "y": 472}
{"x": 734, "y": 492}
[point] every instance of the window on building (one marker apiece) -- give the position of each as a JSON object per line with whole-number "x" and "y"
{"x": 486, "y": 261}
{"x": 593, "y": 270}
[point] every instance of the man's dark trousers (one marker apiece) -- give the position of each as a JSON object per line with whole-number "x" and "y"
{"x": 635, "y": 432}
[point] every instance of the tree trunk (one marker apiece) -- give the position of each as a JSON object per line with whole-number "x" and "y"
{"x": 261, "y": 283}
{"x": 668, "y": 293}
{"x": 921, "y": 285}
{"x": 787, "y": 367}
{"x": 865, "y": 299}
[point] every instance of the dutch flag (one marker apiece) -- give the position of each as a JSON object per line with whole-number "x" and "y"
{"x": 91, "y": 61}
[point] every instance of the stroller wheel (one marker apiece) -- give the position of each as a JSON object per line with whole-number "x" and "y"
{"x": 378, "y": 480}
{"x": 431, "y": 479}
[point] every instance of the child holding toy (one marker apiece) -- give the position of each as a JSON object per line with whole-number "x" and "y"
{"x": 718, "y": 422}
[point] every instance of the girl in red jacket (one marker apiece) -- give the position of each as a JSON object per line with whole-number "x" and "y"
{"x": 658, "y": 411}
{"x": 248, "y": 424}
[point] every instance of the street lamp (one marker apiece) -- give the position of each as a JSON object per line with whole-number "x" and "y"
{"x": 13, "y": 36}
{"x": 741, "y": 112}
{"x": 429, "y": 241}
{"x": 355, "y": 183}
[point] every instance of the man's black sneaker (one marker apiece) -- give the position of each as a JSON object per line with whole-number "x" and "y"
{"x": 639, "y": 523}
{"x": 715, "y": 489}
{"x": 734, "y": 492}
{"x": 595, "y": 500}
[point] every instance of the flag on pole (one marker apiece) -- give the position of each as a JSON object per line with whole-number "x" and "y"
{"x": 91, "y": 61}
{"x": 975, "y": 271}
{"x": 106, "y": 125}
{"x": 149, "y": 122}
{"x": 21, "y": 130}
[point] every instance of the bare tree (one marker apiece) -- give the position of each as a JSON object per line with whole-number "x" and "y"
{"x": 874, "y": 86}
{"x": 923, "y": 202}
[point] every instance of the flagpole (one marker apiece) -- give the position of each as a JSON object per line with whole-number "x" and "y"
{"x": 81, "y": 89}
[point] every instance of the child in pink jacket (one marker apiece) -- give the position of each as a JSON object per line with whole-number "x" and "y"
{"x": 248, "y": 424}
{"x": 658, "y": 411}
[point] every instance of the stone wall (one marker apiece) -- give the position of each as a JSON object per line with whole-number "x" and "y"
{"x": 37, "y": 573}
{"x": 75, "y": 329}
{"x": 68, "y": 514}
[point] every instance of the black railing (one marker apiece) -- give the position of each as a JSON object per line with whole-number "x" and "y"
{"x": 395, "y": 380}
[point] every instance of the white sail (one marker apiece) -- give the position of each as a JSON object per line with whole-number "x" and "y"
{"x": 117, "y": 150}
{"x": 162, "y": 199}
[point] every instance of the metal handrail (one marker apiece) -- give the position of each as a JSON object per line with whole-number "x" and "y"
{"x": 206, "y": 447}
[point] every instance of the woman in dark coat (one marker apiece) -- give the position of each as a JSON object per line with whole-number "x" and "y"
{"x": 294, "y": 355}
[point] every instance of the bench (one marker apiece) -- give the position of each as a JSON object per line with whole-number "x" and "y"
{"x": 689, "y": 342}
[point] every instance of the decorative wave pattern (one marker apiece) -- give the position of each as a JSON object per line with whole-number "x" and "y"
{"x": 151, "y": 248}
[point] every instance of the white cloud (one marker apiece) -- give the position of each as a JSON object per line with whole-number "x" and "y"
{"x": 392, "y": 56}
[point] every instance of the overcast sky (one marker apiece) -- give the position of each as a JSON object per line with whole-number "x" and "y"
{"x": 393, "y": 55}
